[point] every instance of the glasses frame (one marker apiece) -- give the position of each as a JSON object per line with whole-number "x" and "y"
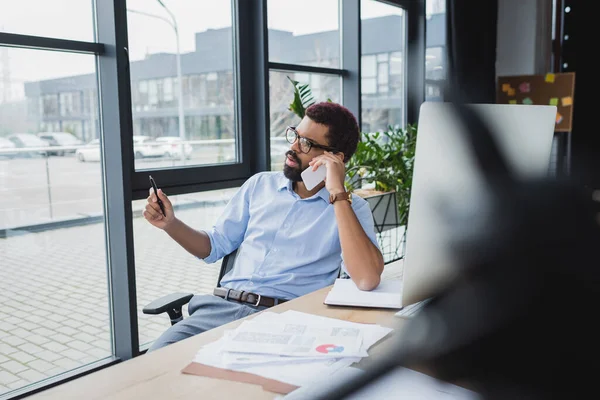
{"x": 310, "y": 143}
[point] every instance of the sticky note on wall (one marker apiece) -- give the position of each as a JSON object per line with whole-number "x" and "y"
{"x": 550, "y": 78}
{"x": 513, "y": 101}
{"x": 511, "y": 92}
{"x": 567, "y": 101}
{"x": 505, "y": 87}
{"x": 524, "y": 87}
{"x": 554, "y": 101}
{"x": 527, "y": 101}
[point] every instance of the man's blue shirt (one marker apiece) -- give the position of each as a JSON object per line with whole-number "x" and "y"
{"x": 288, "y": 246}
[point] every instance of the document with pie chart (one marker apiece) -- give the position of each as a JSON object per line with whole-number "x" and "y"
{"x": 296, "y": 339}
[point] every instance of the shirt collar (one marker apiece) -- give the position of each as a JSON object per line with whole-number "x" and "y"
{"x": 285, "y": 183}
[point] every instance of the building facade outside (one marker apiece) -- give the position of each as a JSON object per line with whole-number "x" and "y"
{"x": 69, "y": 104}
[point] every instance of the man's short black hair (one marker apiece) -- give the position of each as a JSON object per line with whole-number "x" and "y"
{"x": 343, "y": 133}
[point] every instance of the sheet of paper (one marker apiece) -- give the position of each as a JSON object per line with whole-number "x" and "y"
{"x": 401, "y": 383}
{"x": 404, "y": 383}
{"x": 345, "y": 293}
{"x": 323, "y": 383}
{"x": 371, "y": 335}
{"x": 298, "y": 371}
{"x": 295, "y": 339}
{"x": 298, "y": 374}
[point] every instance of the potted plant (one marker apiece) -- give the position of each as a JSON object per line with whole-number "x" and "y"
{"x": 381, "y": 172}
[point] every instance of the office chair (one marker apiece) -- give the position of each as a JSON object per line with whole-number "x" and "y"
{"x": 173, "y": 303}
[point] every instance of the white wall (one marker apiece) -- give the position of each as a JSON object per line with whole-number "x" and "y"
{"x": 524, "y": 44}
{"x": 524, "y": 37}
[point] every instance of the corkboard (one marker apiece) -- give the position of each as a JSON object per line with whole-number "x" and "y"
{"x": 549, "y": 89}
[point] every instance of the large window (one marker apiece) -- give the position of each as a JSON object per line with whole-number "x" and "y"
{"x": 299, "y": 34}
{"x": 182, "y": 66}
{"x": 54, "y": 303}
{"x": 382, "y": 65}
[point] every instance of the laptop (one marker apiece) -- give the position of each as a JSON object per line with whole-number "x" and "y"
{"x": 445, "y": 178}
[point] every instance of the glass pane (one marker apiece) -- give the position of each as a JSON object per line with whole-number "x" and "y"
{"x": 163, "y": 267}
{"x": 435, "y": 52}
{"x": 434, "y": 64}
{"x": 281, "y": 94}
{"x": 194, "y": 66}
{"x": 299, "y": 35}
{"x": 63, "y": 19}
{"x": 54, "y": 308}
{"x": 368, "y": 66}
{"x": 383, "y": 54}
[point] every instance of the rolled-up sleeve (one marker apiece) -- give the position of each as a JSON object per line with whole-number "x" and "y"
{"x": 365, "y": 217}
{"x": 228, "y": 232}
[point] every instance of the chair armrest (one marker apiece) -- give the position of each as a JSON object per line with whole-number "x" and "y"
{"x": 169, "y": 302}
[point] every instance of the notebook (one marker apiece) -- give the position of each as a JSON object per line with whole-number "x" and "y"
{"x": 345, "y": 293}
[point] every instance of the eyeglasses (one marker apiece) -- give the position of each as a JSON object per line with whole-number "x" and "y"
{"x": 291, "y": 135}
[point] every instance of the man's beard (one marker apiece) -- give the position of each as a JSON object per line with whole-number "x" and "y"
{"x": 293, "y": 173}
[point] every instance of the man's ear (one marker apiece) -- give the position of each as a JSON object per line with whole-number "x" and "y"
{"x": 339, "y": 155}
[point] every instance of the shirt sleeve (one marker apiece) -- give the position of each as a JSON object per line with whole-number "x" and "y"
{"x": 365, "y": 217}
{"x": 228, "y": 232}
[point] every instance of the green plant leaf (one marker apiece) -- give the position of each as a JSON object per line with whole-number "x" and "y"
{"x": 386, "y": 160}
{"x": 303, "y": 98}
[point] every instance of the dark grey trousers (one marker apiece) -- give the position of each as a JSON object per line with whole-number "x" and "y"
{"x": 206, "y": 312}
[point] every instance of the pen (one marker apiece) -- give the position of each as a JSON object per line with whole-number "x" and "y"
{"x": 160, "y": 203}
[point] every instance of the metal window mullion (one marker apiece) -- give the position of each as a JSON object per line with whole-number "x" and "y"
{"x": 117, "y": 165}
{"x": 47, "y": 43}
{"x": 415, "y": 54}
{"x": 351, "y": 54}
{"x": 253, "y": 83}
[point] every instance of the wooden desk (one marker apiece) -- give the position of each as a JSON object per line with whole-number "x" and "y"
{"x": 157, "y": 375}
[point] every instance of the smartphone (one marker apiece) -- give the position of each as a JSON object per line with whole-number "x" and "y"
{"x": 312, "y": 178}
{"x": 160, "y": 203}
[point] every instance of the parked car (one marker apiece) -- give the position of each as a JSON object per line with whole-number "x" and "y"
{"x": 172, "y": 147}
{"x": 61, "y": 139}
{"x": 144, "y": 146}
{"x": 7, "y": 148}
{"x": 29, "y": 140}
{"x": 90, "y": 152}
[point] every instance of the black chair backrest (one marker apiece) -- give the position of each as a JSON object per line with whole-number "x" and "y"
{"x": 226, "y": 265}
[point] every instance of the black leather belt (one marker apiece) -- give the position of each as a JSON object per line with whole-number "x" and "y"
{"x": 247, "y": 297}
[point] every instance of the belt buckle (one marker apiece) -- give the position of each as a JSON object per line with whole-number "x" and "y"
{"x": 258, "y": 301}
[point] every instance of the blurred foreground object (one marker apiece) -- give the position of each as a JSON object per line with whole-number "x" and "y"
{"x": 518, "y": 322}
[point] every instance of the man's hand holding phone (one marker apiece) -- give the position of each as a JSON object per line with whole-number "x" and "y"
{"x": 153, "y": 212}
